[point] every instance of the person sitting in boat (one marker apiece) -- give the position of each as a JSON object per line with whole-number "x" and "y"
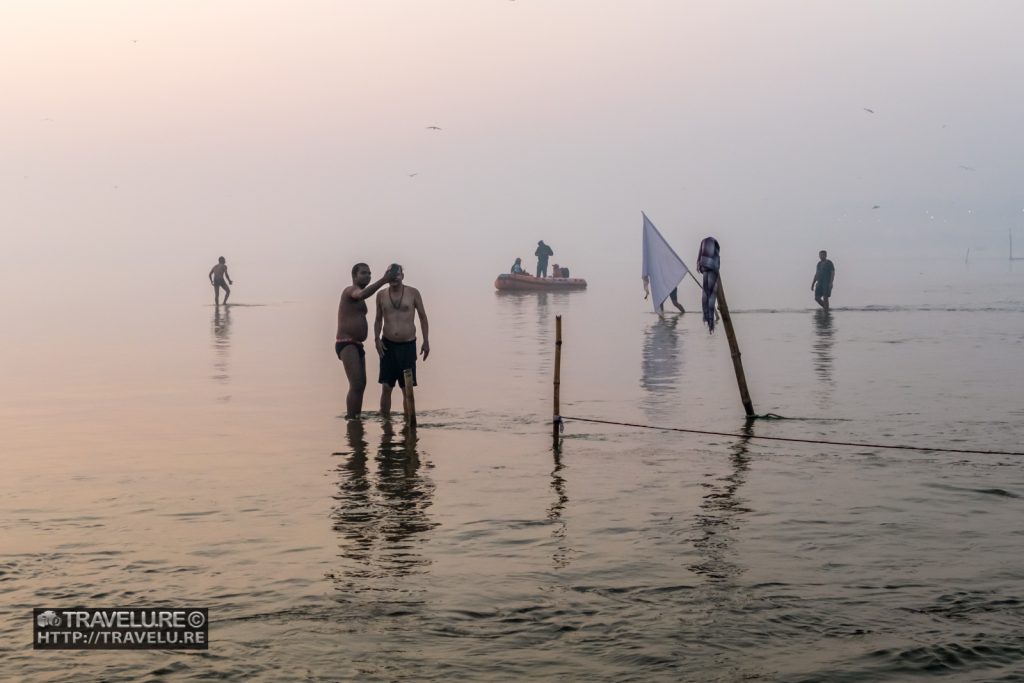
{"x": 517, "y": 267}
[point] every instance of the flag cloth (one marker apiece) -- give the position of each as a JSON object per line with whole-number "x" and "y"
{"x": 708, "y": 262}
{"x": 663, "y": 270}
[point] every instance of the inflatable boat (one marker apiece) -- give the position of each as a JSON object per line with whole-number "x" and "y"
{"x": 527, "y": 283}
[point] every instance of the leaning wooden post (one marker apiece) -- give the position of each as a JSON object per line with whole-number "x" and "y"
{"x": 734, "y": 348}
{"x": 410, "y": 399}
{"x": 557, "y": 419}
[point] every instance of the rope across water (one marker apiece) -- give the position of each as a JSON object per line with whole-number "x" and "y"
{"x": 794, "y": 439}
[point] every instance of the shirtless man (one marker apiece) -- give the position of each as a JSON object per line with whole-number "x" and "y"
{"x": 397, "y": 346}
{"x": 218, "y": 274}
{"x": 352, "y": 329}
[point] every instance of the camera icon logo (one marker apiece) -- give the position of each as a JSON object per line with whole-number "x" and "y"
{"x": 48, "y": 618}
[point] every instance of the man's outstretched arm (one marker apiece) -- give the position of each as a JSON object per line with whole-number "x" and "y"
{"x": 378, "y": 325}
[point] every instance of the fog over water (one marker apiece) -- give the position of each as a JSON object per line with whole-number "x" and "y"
{"x": 141, "y": 142}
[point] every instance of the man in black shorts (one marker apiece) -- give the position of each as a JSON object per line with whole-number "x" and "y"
{"x": 394, "y": 333}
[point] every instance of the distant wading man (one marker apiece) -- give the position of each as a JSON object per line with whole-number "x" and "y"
{"x": 352, "y": 330}
{"x": 394, "y": 333}
{"x": 218, "y": 275}
{"x": 673, "y": 295}
{"x": 543, "y": 253}
{"x": 824, "y": 276}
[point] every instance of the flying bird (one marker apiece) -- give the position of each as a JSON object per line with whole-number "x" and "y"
{"x": 870, "y": 111}
{"x": 967, "y": 168}
{"x": 876, "y": 206}
{"x": 412, "y": 175}
{"x": 433, "y": 127}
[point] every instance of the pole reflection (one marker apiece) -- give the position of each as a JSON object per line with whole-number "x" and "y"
{"x": 560, "y": 556}
{"x": 720, "y": 514}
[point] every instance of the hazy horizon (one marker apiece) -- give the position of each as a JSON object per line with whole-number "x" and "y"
{"x": 143, "y": 141}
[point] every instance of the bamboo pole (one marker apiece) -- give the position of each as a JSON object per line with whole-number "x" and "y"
{"x": 410, "y": 399}
{"x": 556, "y": 419}
{"x": 734, "y": 349}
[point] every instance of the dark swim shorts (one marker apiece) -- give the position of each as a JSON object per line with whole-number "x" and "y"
{"x": 823, "y": 290}
{"x": 219, "y": 282}
{"x": 398, "y": 357}
{"x": 339, "y": 346}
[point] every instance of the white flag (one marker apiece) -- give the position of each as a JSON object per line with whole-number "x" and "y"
{"x": 663, "y": 268}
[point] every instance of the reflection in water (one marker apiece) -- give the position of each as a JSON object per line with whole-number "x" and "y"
{"x": 527, "y": 347}
{"x": 661, "y": 367}
{"x": 382, "y": 518}
{"x": 221, "y": 329}
{"x": 560, "y": 556}
{"x": 719, "y": 518}
{"x": 824, "y": 332}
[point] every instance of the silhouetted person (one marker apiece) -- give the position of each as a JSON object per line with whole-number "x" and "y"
{"x": 824, "y": 276}
{"x": 352, "y": 331}
{"x": 394, "y": 333}
{"x": 218, "y": 275}
{"x": 517, "y": 267}
{"x": 543, "y": 253}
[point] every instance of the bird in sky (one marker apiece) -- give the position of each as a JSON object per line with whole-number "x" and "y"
{"x": 412, "y": 175}
{"x": 433, "y": 127}
{"x": 967, "y": 168}
{"x": 876, "y": 206}
{"x": 870, "y": 111}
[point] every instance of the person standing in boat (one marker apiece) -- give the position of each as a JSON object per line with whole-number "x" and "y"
{"x": 824, "y": 276}
{"x": 543, "y": 253}
{"x": 517, "y": 267}
{"x": 394, "y": 333}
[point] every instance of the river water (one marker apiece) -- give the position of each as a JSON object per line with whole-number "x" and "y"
{"x": 164, "y": 452}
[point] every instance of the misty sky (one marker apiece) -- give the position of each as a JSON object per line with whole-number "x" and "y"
{"x": 143, "y": 139}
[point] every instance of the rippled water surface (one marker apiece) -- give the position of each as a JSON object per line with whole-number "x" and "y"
{"x": 173, "y": 453}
